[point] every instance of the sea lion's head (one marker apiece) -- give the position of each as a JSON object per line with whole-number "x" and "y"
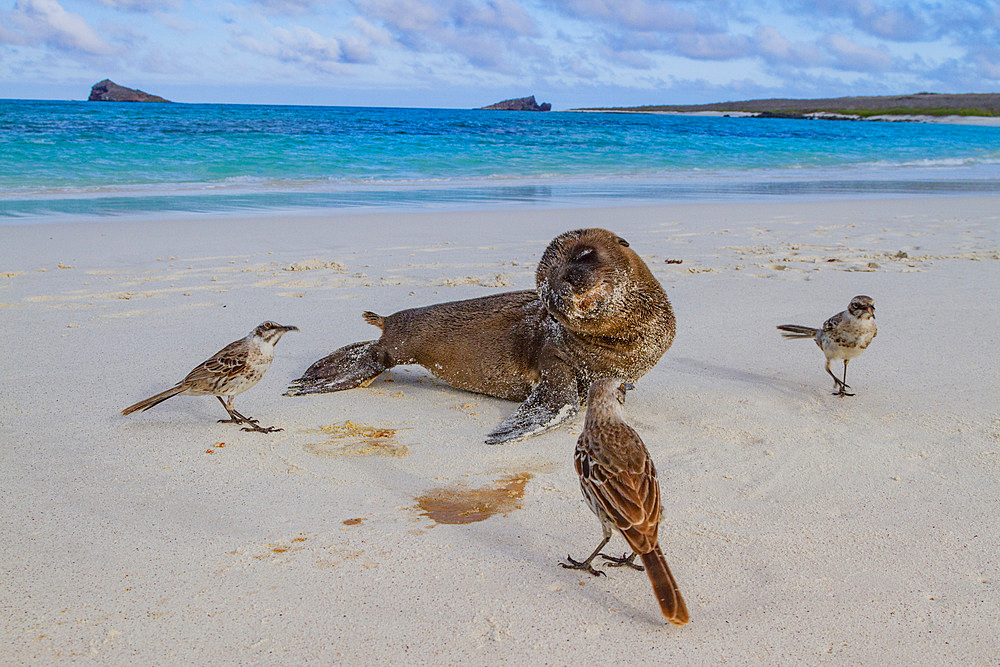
{"x": 585, "y": 278}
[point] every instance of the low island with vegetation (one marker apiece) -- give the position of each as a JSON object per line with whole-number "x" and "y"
{"x": 885, "y": 107}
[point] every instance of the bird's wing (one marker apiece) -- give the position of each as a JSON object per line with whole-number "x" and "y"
{"x": 227, "y": 362}
{"x": 834, "y": 321}
{"x": 622, "y": 476}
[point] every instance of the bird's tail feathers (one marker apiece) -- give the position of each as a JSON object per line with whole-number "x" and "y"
{"x": 797, "y": 331}
{"x": 669, "y": 596}
{"x": 153, "y": 400}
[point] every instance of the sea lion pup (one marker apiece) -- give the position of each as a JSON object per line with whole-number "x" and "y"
{"x": 597, "y": 312}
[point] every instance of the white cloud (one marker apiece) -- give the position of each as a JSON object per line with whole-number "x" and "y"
{"x": 813, "y": 46}
{"x": 371, "y": 32}
{"x": 141, "y": 5}
{"x": 774, "y": 47}
{"x": 630, "y": 59}
{"x": 894, "y": 21}
{"x": 642, "y": 15}
{"x": 301, "y": 45}
{"x": 402, "y": 16}
{"x": 577, "y": 67}
{"x": 851, "y": 56}
{"x": 414, "y": 19}
{"x": 34, "y": 22}
{"x": 505, "y": 16}
{"x": 281, "y": 7}
{"x": 711, "y": 47}
{"x": 496, "y": 35}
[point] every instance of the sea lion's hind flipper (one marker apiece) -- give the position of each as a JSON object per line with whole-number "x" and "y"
{"x": 374, "y": 319}
{"x": 545, "y": 408}
{"x": 354, "y": 365}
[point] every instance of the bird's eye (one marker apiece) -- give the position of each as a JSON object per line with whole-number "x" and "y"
{"x": 268, "y": 325}
{"x": 623, "y": 242}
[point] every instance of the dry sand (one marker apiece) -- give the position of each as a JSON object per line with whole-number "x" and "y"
{"x": 801, "y": 527}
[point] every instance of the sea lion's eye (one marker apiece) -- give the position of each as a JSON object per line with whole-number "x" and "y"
{"x": 622, "y": 241}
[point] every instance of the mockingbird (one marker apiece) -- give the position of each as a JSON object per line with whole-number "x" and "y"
{"x": 619, "y": 483}
{"x": 844, "y": 336}
{"x": 230, "y": 371}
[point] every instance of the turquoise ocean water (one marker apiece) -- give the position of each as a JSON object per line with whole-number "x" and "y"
{"x": 63, "y": 160}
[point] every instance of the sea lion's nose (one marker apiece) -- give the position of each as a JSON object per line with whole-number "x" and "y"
{"x": 576, "y": 276}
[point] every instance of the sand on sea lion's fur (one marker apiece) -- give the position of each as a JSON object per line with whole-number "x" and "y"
{"x": 598, "y": 311}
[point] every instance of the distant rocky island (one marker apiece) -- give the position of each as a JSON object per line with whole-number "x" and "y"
{"x": 109, "y": 91}
{"x": 520, "y": 104}
{"x": 884, "y": 107}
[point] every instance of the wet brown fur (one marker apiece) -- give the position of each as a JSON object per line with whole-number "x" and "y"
{"x": 487, "y": 345}
{"x": 598, "y": 311}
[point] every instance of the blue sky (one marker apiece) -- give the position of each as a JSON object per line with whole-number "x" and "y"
{"x": 466, "y": 53}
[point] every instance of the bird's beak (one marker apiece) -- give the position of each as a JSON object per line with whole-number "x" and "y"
{"x": 628, "y": 386}
{"x": 289, "y": 328}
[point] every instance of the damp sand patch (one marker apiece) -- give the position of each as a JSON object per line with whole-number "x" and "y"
{"x": 349, "y": 438}
{"x": 460, "y": 504}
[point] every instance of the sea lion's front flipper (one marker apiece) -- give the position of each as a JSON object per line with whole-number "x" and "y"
{"x": 552, "y": 401}
{"x": 354, "y": 365}
{"x": 545, "y": 408}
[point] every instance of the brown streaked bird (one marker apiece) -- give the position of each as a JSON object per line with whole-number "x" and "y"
{"x": 618, "y": 480}
{"x": 844, "y": 336}
{"x": 230, "y": 371}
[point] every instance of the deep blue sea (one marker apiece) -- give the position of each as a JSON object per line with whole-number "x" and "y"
{"x": 86, "y": 159}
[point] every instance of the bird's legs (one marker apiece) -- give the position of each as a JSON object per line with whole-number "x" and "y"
{"x": 841, "y": 386}
{"x": 236, "y": 418}
{"x": 625, "y": 560}
{"x": 585, "y": 565}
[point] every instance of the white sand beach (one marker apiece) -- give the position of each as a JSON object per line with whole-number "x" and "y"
{"x": 802, "y": 528}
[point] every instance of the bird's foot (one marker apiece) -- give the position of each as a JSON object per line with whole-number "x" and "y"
{"x": 624, "y": 561}
{"x": 260, "y": 429}
{"x": 840, "y": 389}
{"x": 581, "y": 565}
{"x": 240, "y": 420}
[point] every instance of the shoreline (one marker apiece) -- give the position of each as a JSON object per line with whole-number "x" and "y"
{"x": 794, "y": 521}
{"x": 984, "y": 121}
{"x": 871, "y": 183}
